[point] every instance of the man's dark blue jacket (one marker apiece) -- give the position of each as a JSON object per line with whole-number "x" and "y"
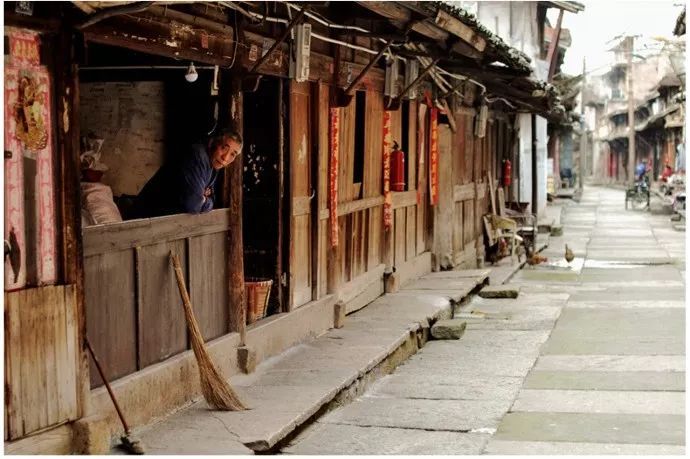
{"x": 178, "y": 187}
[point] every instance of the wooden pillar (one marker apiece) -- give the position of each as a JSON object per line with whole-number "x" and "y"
{"x": 69, "y": 199}
{"x": 233, "y": 185}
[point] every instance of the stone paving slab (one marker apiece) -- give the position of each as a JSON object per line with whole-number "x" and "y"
{"x": 660, "y": 429}
{"x": 507, "y": 341}
{"x": 418, "y": 385}
{"x": 593, "y": 401}
{"x": 629, "y": 304}
{"x": 615, "y": 331}
{"x": 654, "y": 363}
{"x": 356, "y": 440}
{"x": 628, "y": 293}
{"x": 189, "y": 434}
{"x": 445, "y": 415}
{"x": 630, "y": 275}
{"x": 607, "y": 380}
{"x": 502, "y": 447}
{"x": 473, "y": 363}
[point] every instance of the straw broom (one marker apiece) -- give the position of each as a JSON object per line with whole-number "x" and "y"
{"x": 215, "y": 388}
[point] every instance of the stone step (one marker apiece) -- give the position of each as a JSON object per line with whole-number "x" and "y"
{"x": 499, "y": 291}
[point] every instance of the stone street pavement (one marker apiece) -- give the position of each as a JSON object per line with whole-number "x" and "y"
{"x": 589, "y": 359}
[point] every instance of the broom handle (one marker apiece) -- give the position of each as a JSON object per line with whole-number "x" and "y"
{"x": 107, "y": 386}
{"x": 191, "y": 323}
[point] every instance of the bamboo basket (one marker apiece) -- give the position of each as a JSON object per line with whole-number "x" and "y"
{"x": 257, "y": 293}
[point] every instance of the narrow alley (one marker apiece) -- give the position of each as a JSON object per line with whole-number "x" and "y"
{"x": 589, "y": 359}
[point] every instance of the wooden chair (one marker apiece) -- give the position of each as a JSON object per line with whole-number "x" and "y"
{"x": 526, "y": 222}
{"x": 501, "y": 226}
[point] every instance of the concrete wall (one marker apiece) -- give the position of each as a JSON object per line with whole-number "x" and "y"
{"x": 131, "y": 119}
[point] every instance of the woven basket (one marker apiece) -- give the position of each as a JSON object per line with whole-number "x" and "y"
{"x": 257, "y": 293}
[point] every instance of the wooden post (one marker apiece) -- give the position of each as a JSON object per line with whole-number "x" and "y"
{"x": 317, "y": 194}
{"x": 233, "y": 175}
{"x": 72, "y": 262}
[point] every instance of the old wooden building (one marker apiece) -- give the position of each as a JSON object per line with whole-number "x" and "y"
{"x": 327, "y": 95}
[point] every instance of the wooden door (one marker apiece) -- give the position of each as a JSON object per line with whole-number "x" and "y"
{"x": 300, "y": 220}
{"x": 42, "y": 350}
{"x": 41, "y": 358}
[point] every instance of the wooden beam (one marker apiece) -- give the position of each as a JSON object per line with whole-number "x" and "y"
{"x": 461, "y": 30}
{"x": 130, "y": 8}
{"x": 400, "y": 16}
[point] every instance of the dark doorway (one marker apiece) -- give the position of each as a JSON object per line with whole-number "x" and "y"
{"x": 262, "y": 187}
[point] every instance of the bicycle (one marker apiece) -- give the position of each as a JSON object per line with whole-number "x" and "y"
{"x": 638, "y": 195}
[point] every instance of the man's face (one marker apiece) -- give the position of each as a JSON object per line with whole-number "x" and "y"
{"x": 225, "y": 153}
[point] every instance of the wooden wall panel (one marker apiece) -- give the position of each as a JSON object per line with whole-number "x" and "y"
{"x": 208, "y": 266}
{"x": 375, "y": 240}
{"x": 412, "y": 147}
{"x": 324, "y": 150}
{"x": 323, "y": 258}
{"x": 300, "y": 262}
{"x": 459, "y": 150}
{"x": 469, "y": 149}
{"x": 300, "y": 187}
{"x": 347, "y": 153}
{"x": 111, "y": 312}
{"x": 323, "y": 190}
{"x": 41, "y": 358}
{"x": 458, "y": 223}
{"x": 443, "y": 213}
{"x": 162, "y": 327}
{"x": 399, "y": 236}
{"x": 373, "y": 141}
{"x": 411, "y": 233}
{"x": 468, "y": 221}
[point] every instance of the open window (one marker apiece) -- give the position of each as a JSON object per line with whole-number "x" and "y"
{"x": 137, "y": 112}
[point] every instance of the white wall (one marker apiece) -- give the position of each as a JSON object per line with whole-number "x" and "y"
{"x": 525, "y": 184}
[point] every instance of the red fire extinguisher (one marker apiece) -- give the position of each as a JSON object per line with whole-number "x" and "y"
{"x": 507, "y": 172}
{"x": 397, "y": 168}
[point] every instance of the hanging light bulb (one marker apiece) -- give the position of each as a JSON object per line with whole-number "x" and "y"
{"x": 191, "y": 74}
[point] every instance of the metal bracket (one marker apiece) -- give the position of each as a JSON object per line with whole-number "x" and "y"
{"x": 393, "y": 103}
{"x": 344, "y": 96}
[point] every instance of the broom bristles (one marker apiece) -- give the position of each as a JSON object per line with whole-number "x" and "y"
{"x": 214, "y": 387}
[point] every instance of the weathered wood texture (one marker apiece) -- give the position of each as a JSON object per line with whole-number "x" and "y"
{"x": 111, "y": 312}
{"x": 443, "y": 213}
{"x": 300, "y": 188}
{"x": 233, "y": 177}
{"x": 133, "y": 307}
{"x": 41, "y": 357}
{"x": 69, "y": 205}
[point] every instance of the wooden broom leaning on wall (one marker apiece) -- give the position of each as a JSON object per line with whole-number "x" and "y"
{"x": 215, "y": 388}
